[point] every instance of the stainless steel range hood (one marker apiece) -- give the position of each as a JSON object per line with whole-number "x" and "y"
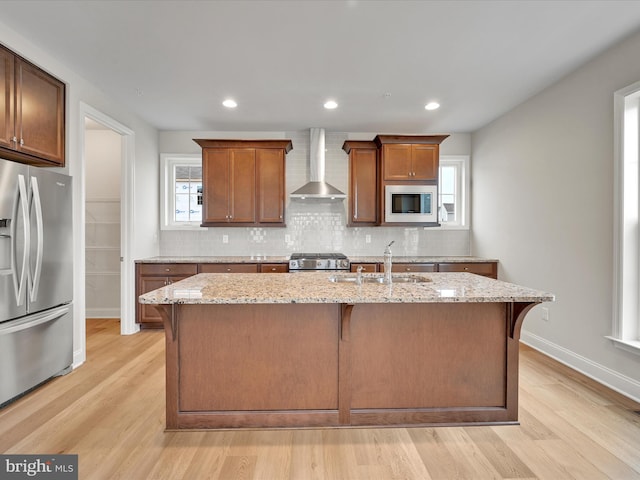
{"x": 317, "y": 188}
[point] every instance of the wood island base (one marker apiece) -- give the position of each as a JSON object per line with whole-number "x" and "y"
{"x": 341, "y": 365}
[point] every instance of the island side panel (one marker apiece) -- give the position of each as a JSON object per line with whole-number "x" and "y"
{"x": 258, "y": 358}
{"x": 429, "y": 363}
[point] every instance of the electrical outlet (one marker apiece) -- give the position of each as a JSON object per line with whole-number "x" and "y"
{"x": 225, "y": 238}
{"x": 545, "y": 314}
{"x": 367, "y": 238}
{"x": 287, "y": 238}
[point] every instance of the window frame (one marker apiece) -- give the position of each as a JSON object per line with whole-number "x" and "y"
{"x": 625, "y": 329}
{"x": 167, "y": 187}
{"x": 462, "y": 196}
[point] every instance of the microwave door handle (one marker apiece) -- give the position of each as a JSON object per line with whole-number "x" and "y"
{"x": 34, "y": 201}
{"x": 20, "y": 207}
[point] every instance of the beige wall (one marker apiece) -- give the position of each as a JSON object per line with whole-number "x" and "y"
{"x": 542, "y": 203}
{"x": 144, "y": 240}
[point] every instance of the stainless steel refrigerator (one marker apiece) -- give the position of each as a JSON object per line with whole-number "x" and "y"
{"x": 36, "y": 277}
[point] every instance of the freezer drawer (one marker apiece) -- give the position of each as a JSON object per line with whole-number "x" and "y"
{"x": 33, "y": 349}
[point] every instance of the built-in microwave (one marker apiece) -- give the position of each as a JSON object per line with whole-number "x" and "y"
{"x": 411, "y": 203}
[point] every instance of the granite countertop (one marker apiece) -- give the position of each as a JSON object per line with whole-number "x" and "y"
{"x": 315, "y": 287}
{"x": 421, "y": 259}
{"x": 285, "y": 259}
{"x": 217, "y": 259}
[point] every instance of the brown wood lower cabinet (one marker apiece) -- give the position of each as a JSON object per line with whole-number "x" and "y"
{"x": 228, "y": 268}
{"x": 274, "y": 268}
{"x": 366, "y": 267}
{"x": 151, "y": 276}
{"x": 487, "y": 269}
{"x": 413, "y": 267}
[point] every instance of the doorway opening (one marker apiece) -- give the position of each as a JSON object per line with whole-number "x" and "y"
{"x": 103, "y": 160}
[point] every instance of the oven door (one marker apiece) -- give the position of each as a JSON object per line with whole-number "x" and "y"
{"x": 411, "y": 204}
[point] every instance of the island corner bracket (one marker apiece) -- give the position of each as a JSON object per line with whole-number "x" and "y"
{"x": 516, "y": 312}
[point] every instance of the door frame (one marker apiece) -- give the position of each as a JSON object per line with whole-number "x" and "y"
{"x": 127, "y": 274}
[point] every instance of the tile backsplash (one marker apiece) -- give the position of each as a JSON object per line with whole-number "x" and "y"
{"x": 315, "y": 227}
{"x": 317, "y": 232}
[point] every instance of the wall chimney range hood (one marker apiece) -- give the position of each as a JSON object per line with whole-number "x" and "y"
{"x": 317, "y": 188}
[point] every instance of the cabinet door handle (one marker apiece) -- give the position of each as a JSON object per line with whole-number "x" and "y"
{"x": 22, "y": 141}
{"x": 14, "y": 139}
{"x": 228, "y": 269}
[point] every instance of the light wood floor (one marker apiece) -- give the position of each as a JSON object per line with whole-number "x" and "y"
{"x": 111, "y": 413}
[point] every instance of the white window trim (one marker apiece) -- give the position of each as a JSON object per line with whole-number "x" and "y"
{"x": 464, "y": 184}
{"x": 626, "y": 246}
{"x": 167, "y": 200}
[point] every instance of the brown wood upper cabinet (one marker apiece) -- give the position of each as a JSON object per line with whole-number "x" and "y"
{"x": 363, "y": 182}
{"x": 409, "y": 157}
{"x": 410, "y": 162}
{"x": 243, "y": 182}
{"x": 32, "y": 109}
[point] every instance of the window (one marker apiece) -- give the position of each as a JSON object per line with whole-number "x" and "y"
{"x": 181, "y": 191}
{"x": 626, "y": 281}
{"x": 453, "y": 206}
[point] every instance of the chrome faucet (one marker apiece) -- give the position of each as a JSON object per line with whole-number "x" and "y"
{"x": 359, "y": 275}
{"x": 388, "y": 264}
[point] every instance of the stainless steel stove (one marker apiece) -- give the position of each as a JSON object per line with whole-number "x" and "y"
{"x": 314, "y": 262}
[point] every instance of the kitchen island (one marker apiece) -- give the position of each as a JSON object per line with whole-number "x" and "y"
{"x": 301, "y": 350}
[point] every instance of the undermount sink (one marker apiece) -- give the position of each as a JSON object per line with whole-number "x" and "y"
{"x": 378, "y": 279}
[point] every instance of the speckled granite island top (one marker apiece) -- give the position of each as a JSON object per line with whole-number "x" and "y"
{"x": 316, "y": 287}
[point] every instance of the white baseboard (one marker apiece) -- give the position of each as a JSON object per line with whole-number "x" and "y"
{"x": 601, "y": 374}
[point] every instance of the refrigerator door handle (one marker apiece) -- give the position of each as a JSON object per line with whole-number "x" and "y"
{"x": 34, "y": 320}
{"x": 34, "y": 200}
{"x": 20, "y": 201}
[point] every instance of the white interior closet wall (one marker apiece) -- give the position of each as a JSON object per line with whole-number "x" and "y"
{"x": 102, "y": 223}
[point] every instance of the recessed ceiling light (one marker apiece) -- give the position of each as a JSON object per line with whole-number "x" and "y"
{"x": 229, "y": 103}
{"x": 432, "y": 106}
{"x": 330, "y": 105}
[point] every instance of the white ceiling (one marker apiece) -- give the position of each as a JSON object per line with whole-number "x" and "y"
{"x": 173, "y": 62}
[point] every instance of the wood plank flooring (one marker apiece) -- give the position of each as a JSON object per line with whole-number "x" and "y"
{"x": 110, "y": 412}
